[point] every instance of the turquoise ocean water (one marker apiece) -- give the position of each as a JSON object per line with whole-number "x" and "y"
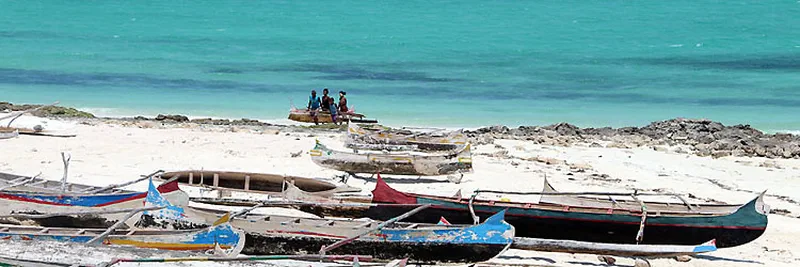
{"x": 420, "y": 63}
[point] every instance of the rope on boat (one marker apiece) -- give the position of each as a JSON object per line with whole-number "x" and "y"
{"x": 640, "y": 233}
{"x": 475, "y": 218}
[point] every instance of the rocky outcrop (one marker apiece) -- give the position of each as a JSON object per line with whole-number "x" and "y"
{"x": 705, "y": 137}
{"x": 54, "y": 111}
{"x": 175, "y": 118}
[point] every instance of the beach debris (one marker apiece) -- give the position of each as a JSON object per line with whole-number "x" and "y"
{"x": 455, "y": 178}
{"x": 297, "y": 154}
{"x": 606, "y": 259}
{"x": 641, "y": 263}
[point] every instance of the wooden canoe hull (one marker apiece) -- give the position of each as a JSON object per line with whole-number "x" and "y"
{"x": 226, "y": 236}
{"x": 621, "y": 203}
{"x": 275, "y": 235}
{"x": 253, "y": 182}
{"x": 401, "y": 164}
{"x": 279, "y": 235}
{"x": 258, "y": 244}
{"x": 44, "y": 203}
{"x": 449, "y": 141}
{"x": 301, "y": 115}
{"x": 584, "y": 224}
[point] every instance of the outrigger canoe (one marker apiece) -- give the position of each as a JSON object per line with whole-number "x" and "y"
{"x": 592, "y": 224}
{"x": 37, "y": 203}
{"x": 393, "y": 163}
{"x": 278, "y": 235}
{"x": 257, "y": 226}
{"x": 361, "y": 138}
{"x": 302, "y": 115}
{"x": 222, "y": 234}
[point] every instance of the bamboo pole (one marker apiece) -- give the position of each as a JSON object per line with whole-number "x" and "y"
{"x": 246, "y": 211}
{"x": 66, "y": 160}
{"x": 115, "y": 226}
{"x": 290, "y": 203}
{"x": 109, "y": 187}
{"x": 380, "y": 226}
{"x": 573, "y": 193}
{"x": 48, "y": 215}
{"x": 20, "y": 183}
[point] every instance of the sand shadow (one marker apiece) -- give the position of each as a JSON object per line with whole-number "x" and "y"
{"x": 717, "y": 258}
{"x": 548, "y": 260}
{"x": 596, "y": 264}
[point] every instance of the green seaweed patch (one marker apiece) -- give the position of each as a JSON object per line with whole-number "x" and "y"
{"x": 54, "y": 111}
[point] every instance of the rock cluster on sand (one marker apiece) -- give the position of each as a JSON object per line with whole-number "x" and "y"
{"x": 54, "y": 111}
{"x": 705, "y": 137}
{"x": 177, "y": 118}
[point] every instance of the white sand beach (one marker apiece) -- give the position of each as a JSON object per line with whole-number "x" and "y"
{"x": 106, "y": 152}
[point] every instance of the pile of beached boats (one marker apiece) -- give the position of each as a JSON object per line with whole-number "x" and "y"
{"x": 383, "y": 226}
{"x": 376, "y": 151}
{"x": 321, "y": 220}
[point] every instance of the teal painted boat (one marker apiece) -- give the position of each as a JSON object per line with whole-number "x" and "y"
{"x": 592, "y": 224}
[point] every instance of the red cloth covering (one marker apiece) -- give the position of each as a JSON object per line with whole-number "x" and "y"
{"x": 385, "y": 194}
{"x": 168, "y": 187}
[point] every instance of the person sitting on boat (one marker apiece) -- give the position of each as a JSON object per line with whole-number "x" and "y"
{"x": 332, "y": 108}
{"x": 342, "y": 102}
{"x": 313, "y": 105}
{"x": 325, "y": 99}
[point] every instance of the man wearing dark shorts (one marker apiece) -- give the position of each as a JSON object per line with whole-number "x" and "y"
{"x": 313, "y": 105}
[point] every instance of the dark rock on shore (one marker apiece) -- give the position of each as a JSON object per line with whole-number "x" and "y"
{"x": 207, "y": 121}
{"x": 54, "y": 111}
{"x": 707, "y": 138}
{"x": 175, "y": 118}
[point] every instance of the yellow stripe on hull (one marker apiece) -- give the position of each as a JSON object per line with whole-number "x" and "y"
{"x": 167, "y": 246}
